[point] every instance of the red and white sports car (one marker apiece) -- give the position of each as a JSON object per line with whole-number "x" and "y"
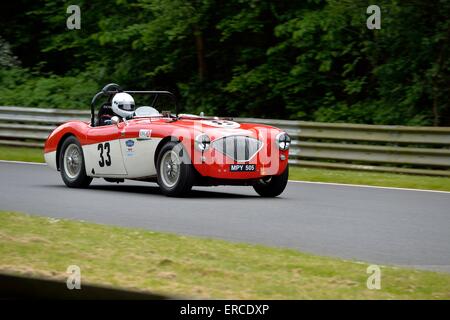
{"x": 176, "y": 151}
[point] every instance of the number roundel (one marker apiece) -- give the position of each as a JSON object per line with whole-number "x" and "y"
{"x": 106, "y": 147}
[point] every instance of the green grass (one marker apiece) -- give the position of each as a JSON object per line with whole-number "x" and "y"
{"x": 21, "y": 154}
{"x": 305, "y": 174}
{"x": 195, "y": 267}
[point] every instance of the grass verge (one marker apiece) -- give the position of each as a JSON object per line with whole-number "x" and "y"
{"x": 195, "y": 267}
{"x": 21, "y": 154}
{"x": 381, "y": 179}
{"x": 305, "y": 174}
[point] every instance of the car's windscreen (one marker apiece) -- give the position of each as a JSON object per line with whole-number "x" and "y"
{"x": 163, "y": 103}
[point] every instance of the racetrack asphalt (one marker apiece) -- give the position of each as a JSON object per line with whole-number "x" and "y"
{"x": 377, "y": 225}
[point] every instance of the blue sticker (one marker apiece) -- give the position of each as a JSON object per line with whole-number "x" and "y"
{"x": 129, "y": 143}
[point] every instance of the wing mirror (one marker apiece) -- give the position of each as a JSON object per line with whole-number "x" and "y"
{"x": 115, "y": 120}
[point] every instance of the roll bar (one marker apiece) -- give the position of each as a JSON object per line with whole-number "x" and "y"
{"x": 113, "y": 88}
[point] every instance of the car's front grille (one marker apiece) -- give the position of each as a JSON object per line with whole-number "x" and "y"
{"x": 239, "y": 148}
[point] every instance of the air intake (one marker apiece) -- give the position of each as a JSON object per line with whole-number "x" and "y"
{"x": 239, "y": 148}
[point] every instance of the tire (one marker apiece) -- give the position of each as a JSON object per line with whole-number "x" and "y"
{"x": 177, "y": 180}
{"x": 272, "y": 186}
{"x": 71, "y": 164}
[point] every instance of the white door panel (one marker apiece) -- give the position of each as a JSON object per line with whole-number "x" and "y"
{"x": 138, "y": 156}
{"x": 104, "y": 159}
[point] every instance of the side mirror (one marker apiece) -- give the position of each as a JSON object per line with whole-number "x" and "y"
{"x": 115, "y": 120}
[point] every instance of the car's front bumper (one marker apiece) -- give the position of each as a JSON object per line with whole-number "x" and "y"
{"x": 216, "y": 165}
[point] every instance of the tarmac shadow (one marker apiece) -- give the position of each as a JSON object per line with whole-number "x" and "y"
{"x": 154, "y": 190}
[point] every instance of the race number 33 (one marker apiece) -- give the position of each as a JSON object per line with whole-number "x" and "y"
{"x": 104, "y": 159}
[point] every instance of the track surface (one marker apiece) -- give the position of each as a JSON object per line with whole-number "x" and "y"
{"x": 386, "y": 226}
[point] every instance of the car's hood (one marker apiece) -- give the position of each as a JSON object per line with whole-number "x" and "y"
{"x": 217, "y": 128}
{"x": 214, "y": 128}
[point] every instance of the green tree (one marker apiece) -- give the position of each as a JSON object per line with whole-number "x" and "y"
{"x": 310, "y": 60}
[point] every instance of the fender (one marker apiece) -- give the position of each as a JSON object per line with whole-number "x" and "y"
{"x": 57, "y": 136}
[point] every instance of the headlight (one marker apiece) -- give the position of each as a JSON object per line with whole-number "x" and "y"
{"x": 283, "y": 141}
{"x": 202, "y": 142}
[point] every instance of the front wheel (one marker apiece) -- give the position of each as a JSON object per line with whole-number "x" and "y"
{"x": 71, "y": 164}
{"x": 175, "y": 172}
{"x": 272, "y": 186}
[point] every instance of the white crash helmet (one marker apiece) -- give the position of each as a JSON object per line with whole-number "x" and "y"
{"x": 123, "y": 104}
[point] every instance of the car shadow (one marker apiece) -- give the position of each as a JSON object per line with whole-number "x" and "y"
{"x": 154, "y": 190}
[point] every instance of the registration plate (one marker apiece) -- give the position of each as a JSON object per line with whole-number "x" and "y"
{"x": 242, "y": 167}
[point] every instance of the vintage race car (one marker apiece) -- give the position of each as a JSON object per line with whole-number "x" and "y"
{"x": 176, "y": 151}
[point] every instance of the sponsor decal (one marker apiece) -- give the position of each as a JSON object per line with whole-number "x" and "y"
{"x": 145, "y": 134}
{"x": 129, "y": 143}
{"x": 130, "y": 147}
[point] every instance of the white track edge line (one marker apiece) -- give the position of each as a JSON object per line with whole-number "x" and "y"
{"x": 366, "y": 186}
{"x": 24, "y": 162}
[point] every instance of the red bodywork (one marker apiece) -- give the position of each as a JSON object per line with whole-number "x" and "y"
{"x": 269, "y": 160}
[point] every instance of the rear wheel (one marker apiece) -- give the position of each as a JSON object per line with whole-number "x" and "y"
{"x": 174, "y": 170}
{"x": 272, "y": 186}
{"x": 71, "y": 164}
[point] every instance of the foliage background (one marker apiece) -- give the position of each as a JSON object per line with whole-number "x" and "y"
{"x": 309, "y": 60}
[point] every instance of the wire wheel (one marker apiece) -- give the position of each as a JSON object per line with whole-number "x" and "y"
{"x": 72, "y": 161}
{"x": 175, "y": 173}
{"x": 170, "y": 168}
{"x": 71, "y": 164}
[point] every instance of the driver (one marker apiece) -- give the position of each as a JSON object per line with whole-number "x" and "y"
{"x": 123, "y": 105}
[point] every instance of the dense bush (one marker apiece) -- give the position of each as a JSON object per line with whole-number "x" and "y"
{"x": 19, "y": 87}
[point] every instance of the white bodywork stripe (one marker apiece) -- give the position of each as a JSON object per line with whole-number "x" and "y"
{"x": 139, "y": 158}
{"x": 136, "y": 161}
{"x": 50, "y": 159}
{"x": 112, "y": 156}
